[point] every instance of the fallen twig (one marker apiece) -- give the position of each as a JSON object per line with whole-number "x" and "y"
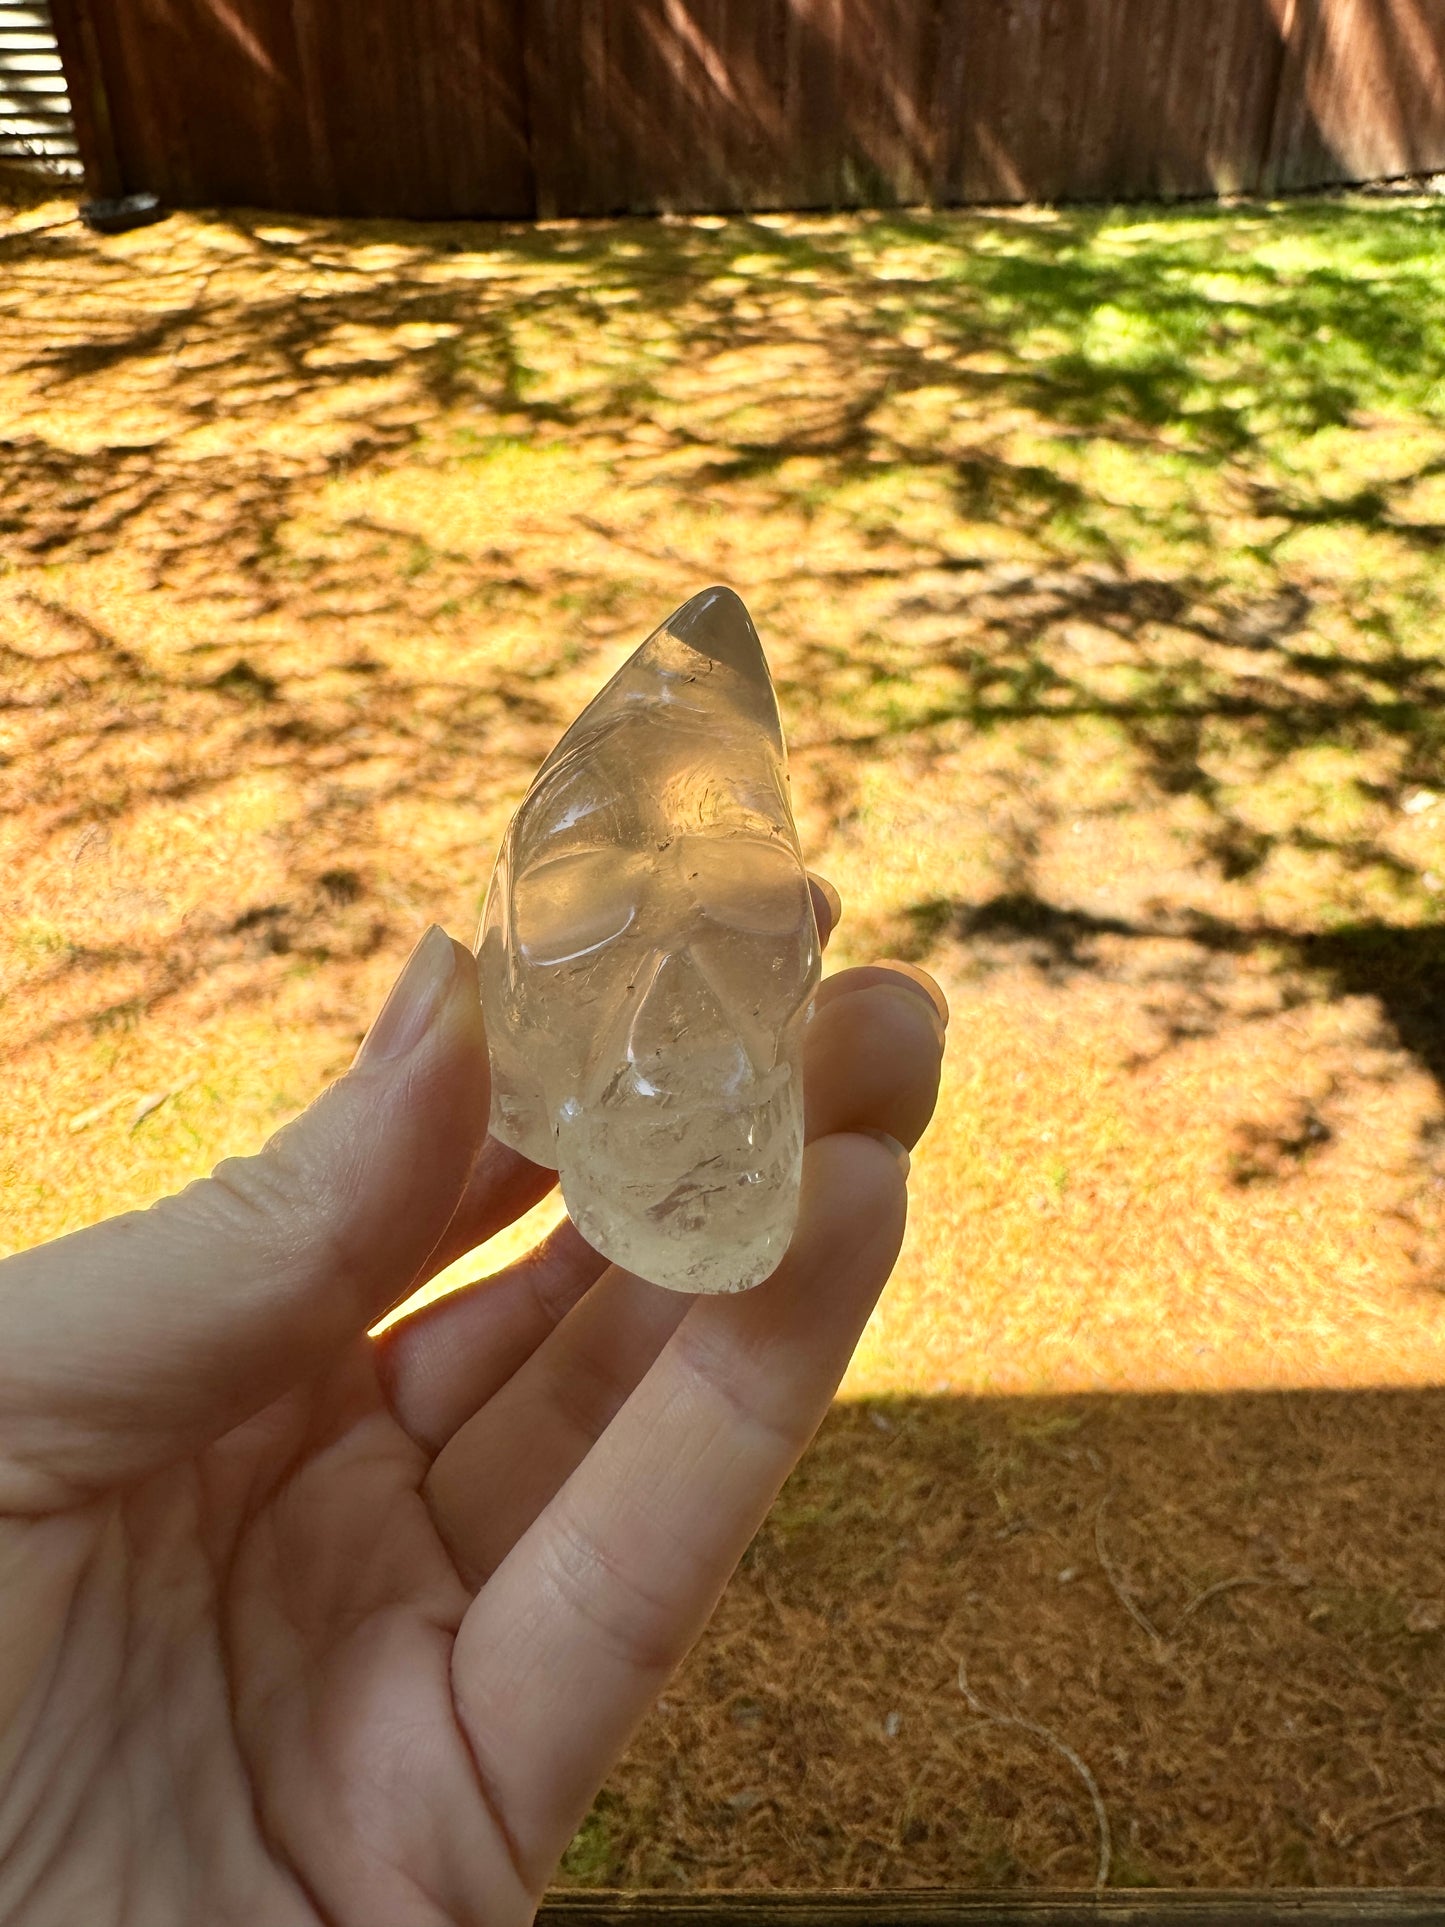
{"x": 1224, "y": 1585}
{"x": 1101, "y": 1815}
{"x": 1389, "y": 1820}
{"x": 1121, "y": 1592}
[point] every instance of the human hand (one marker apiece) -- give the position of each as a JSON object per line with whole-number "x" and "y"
{"x": 298, "y": 1625}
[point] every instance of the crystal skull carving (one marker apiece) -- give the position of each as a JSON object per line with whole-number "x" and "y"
{"x": 648, "y": 954}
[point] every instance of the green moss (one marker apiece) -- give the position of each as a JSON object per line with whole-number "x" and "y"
{"x": 593, "y": 1858}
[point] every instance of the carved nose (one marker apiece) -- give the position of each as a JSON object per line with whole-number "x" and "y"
{"x": 671, "y": 1044}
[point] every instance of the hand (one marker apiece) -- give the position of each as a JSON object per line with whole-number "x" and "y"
{"x": 297, "y": 1625}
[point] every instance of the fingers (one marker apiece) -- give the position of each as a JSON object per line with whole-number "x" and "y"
{"x": 144, "y": 1336}
{"x": 874, "y": 1054}
{"x": 439, "y": 1364}
{"x": 827, "y": 906}
{"x": 872, "y": 1064}
{"x": 565, "y": 1648}
{"x": 509, "y": 1453}
{"x": 890, "y": 971}
{"x": 501, "y": 1186}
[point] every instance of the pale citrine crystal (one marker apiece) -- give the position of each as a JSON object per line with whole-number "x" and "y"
{"x": 648, "y": 953}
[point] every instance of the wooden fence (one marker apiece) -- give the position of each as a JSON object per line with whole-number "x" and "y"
{"x": 526, "y": 108}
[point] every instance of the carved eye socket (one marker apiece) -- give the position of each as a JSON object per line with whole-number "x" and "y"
{"x": 747, "y": 884}
{"x": 574, "y": 904}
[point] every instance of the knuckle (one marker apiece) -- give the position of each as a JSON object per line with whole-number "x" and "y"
{"x": 282, "y": 1201}
{"x": 635, "y": 1623}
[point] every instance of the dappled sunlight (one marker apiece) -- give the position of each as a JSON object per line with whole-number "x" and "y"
{"x": 1097, "y": 556}
{"x": 1097, "y": 1210}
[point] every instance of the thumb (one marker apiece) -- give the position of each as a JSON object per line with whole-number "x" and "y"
{"x": 133, "y": 1342}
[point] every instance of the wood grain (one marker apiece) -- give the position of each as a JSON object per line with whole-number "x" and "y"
{"x": 1351, "y": 1908}
{"x": 539, "y": 108}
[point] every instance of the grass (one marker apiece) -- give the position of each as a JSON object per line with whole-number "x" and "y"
{"x": 1098, "y": 556}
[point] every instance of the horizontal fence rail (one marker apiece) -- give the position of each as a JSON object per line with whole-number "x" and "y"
{"x": 526, "y": 108}
{"x": 1380, "y": 1908}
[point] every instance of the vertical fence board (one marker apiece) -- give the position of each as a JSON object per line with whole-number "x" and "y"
{"x": 1001, "y": 114}
{"x": 88, "y": 80}
{"x": 1091, "y": 99}
{"x": 1362, "y": 93}
{"x": 1231, "y": 102}
{"x": 398, "y": 107}
{"x": 692, "y": 104}
{"x": 559, "y": 51}
{"x": 232, "y": 129}
{"x": 652, "y": 104}
{"x": 423, "y": 109}
{"x": 484, "y": 107}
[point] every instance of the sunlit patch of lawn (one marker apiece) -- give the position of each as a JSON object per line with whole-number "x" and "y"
{"x": 1098, "y": 558}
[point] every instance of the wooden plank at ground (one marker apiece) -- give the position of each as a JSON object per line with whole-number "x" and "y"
{"x": 405, "y": 107}
{"x": 1079, "y": 99}
{"x": 1395, "y": 1907}
{"x": 1361, "y": 94}
{"x": 700, "y": 104}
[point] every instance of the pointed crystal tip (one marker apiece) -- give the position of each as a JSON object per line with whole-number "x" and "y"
{"x": 716, "y": 623}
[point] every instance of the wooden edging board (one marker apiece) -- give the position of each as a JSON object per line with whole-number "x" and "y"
{"x": 1347, "y": 1907}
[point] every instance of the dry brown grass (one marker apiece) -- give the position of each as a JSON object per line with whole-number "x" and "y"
{"x": 1098, "y": 559}
{"x": 1284, "y": 1730}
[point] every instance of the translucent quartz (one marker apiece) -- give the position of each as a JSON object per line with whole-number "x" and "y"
{"x": 648, "y": 953}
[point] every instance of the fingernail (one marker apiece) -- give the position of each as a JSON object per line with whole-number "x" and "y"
{"x": 830, "y": 897}
{"x": 416, "y": 999}
{"x": 898, "y": 1152}
{"x": 916, "y": 979}
{"x": 911, "y": 997}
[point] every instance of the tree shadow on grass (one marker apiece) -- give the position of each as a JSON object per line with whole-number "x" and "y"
{"x": 1401, "y": 966}
{"x": 1046, "y": 470}
{"x": 1098, "y": 322}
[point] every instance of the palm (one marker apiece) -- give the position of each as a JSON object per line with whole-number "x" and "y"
{"x": 257, "y": 1660}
